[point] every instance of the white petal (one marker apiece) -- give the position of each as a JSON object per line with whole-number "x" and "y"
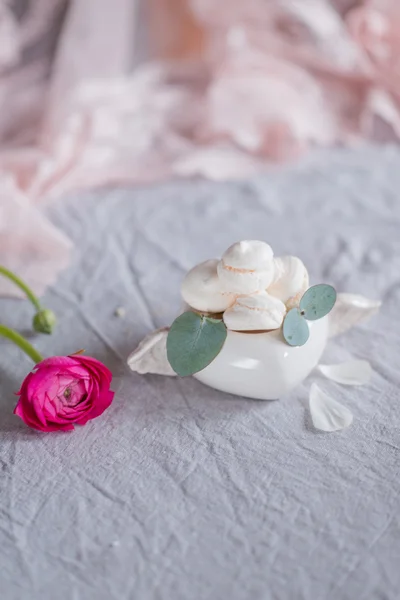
{"x": 351, "y": 310}
{"x": 151, "y": 355}
{"x": 326, "y": 413}
{"x": 352, "y": 372}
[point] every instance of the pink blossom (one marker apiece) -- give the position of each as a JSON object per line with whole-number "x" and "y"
{"x": 63, "y": 391}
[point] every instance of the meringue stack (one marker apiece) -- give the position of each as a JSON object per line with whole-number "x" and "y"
{"x": 248, "y": 285}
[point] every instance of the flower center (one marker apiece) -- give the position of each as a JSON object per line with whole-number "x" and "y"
{"x": 67, "y": 393}
{"x": 72, "y": 392}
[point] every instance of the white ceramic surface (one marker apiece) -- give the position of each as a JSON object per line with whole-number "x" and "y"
{"x": 263, "y": 365}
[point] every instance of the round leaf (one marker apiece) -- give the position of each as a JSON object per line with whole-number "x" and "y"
{"x": 193, "y": 342}
{"x": 318, "y": 301}
{"x": 295, "y": 328}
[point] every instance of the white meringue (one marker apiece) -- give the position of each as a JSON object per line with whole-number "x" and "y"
{"x": 291, "y": 280}
{"x": 257, "y": 312}
{"x": 246, "y": 267}
{"x": 202, "y": 290}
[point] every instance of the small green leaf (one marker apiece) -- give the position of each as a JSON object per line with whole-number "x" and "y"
{"x": 193, "y": 342}
{"x": 295, "y": 328}
{"x": 318, "y": 301}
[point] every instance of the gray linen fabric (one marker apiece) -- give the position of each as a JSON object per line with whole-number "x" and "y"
{"x": 180, "y": 492}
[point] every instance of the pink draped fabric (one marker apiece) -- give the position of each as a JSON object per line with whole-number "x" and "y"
{"x": 222, "y": 89}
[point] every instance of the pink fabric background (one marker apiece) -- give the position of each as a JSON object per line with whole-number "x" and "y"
{"x": 95, "y": 92}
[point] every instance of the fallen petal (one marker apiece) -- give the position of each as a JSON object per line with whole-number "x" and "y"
{"x": 326, "y": 413}
{"x": 151, "y": 355}
{"x": 352, "y": 372}
{"x": 351, "y": 310}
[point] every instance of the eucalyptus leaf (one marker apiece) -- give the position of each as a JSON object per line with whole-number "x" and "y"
{"x": 295, "y": 328}
{"x": 318, "y": 301}
{"x": 193, "y": 342}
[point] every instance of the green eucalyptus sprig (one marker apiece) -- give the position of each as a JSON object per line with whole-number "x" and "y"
{"x": 193, "y": 341}
{"x": 44, "y": 320}
{"x": 316, "y": 303}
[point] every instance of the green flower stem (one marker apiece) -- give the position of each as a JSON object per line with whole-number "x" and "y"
{"x": 21, "y": 342}
{"x": 18, "y": 282}
{"x": 44, "y": 320}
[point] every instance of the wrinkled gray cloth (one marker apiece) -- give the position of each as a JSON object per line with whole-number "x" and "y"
{"x": 180, "y": 492}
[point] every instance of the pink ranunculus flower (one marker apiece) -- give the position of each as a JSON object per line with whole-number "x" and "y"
{"x": 63, "y": 391}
